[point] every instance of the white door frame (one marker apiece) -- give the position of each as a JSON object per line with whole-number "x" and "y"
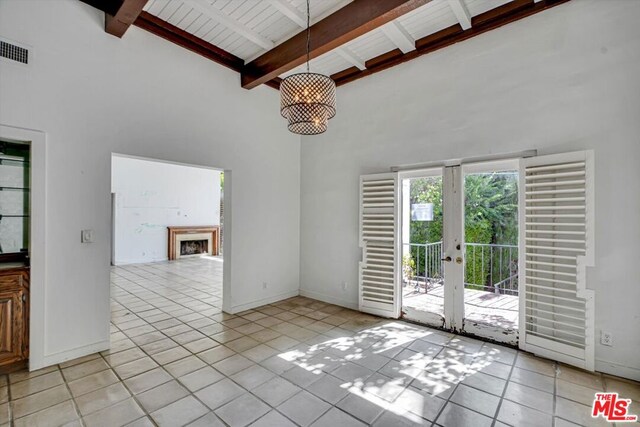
{"x": 453, "y": 234}
{"x": 37, "y": 248}
{"x": 452, "y": 238}
{"x": 453, "y": 247}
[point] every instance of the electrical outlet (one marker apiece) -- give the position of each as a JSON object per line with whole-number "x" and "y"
{"x": 86, "y": 236}
{"x": 606, "y": 338}
{"x": 264, "y": 285}
{"x": 344, "y": 286}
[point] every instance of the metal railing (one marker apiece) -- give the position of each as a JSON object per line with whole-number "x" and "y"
{"x": 492, "y": 268}
{"x": 488, "y": 267}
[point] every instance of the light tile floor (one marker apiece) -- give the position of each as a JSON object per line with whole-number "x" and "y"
{"x": 176, "y": 360}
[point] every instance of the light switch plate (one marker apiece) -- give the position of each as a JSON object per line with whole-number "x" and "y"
{"x": 87, "y": 236}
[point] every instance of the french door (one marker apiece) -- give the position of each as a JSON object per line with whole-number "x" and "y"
{"x": 460, "y": 259}
{"x": 491, "y": 237}
{"x": 494, "y": 249}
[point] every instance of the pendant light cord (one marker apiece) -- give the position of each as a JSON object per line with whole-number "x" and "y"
{"x": 308, "y": 34}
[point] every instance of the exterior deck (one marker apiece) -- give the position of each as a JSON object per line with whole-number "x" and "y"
{"x": 486, "y": 308}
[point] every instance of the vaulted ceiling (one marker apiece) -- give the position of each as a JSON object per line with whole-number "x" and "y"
{"x": 265, "y": 40}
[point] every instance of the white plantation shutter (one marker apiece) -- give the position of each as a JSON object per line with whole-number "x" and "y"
{"x": 379, "y": 242}
{"x": 556, "y": 245}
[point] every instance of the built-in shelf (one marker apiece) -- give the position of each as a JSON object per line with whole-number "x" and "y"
{"x": 14, "y": 189}
{"x": 5, "y": 161}
{"x": 15, "y": 224}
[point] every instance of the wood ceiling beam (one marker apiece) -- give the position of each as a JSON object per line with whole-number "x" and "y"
{"x": 353, "y": 20}
{"x": 182, "y": 38}
{"x": 127, "y": 13}
{"x": 482, "y": 23}
{"x": 178, "y": 36}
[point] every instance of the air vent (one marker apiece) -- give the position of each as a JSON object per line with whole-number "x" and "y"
{"x": 14, "y": 52}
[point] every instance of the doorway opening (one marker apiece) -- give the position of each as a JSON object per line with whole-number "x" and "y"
{"x": 491, "y": 300}
{"x": 422, "y": 237}
{"x": 460, "y": 249}
{"x": 167, "y": 264}
{"x": 163, "y": 211}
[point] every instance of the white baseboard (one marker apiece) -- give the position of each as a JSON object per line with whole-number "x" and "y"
{"x": 257, "y": 303}
{"x": 328, "y": 299}
{"x": 612, "y": 368}
{"x": 119, "y": 263}
{"x": 63, "y": 356}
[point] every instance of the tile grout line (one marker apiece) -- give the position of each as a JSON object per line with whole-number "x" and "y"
{"x": 504, "y": 390}
{"x": 555, "y": 394}
{"x": 11, "y": 402}
{"x": 131, "y": 395}
{"x": 73, "y": 399}
{"x": 448, "y": 399}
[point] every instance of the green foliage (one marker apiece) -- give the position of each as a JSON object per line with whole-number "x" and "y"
{"x": 478, "y": 230}
{"x": 491, "y": 217}
{"x": 408, "y": 267}
{"x": 493, "y": 198}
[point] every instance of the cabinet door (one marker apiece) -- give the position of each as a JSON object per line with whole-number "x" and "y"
{"x": 11, "y": 326}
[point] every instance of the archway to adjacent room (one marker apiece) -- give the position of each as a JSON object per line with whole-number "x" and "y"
{"x": 168, "y": 269}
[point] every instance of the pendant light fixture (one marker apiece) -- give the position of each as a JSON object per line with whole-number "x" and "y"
{"x": 308, "y": 100}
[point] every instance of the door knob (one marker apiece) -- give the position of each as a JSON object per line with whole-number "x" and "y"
{"x": 447, "y": 259}
{"x": 459, "y": 260}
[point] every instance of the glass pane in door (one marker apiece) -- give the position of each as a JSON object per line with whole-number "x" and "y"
{"x": 491, "y": 253}
{"x": 422, "y": 269}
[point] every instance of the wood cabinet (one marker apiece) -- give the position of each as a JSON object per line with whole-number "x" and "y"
{"x": 14, "y": 316}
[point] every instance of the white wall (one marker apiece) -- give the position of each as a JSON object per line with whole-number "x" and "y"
{"x": 151, "y": 196}
{"x": 565, "y": 79}
{"x": 562, "y": 80}
{"x": 93, "y": 95}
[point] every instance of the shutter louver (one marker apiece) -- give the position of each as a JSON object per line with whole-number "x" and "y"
{"x": 556, "y": 236}
{"x": 378, "y": 231}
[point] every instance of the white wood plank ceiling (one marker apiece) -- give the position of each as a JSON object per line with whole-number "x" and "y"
{"x": 249, "y": 28}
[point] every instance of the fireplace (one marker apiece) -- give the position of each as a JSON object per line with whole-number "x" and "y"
{"x": 192, "y": 241}
{"x": 194, "y": 247}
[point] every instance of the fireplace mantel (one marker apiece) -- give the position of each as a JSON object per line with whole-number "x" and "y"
{"x": 178, "y": 234}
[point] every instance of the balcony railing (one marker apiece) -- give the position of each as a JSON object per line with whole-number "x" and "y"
{"x": 488, "y": 267}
